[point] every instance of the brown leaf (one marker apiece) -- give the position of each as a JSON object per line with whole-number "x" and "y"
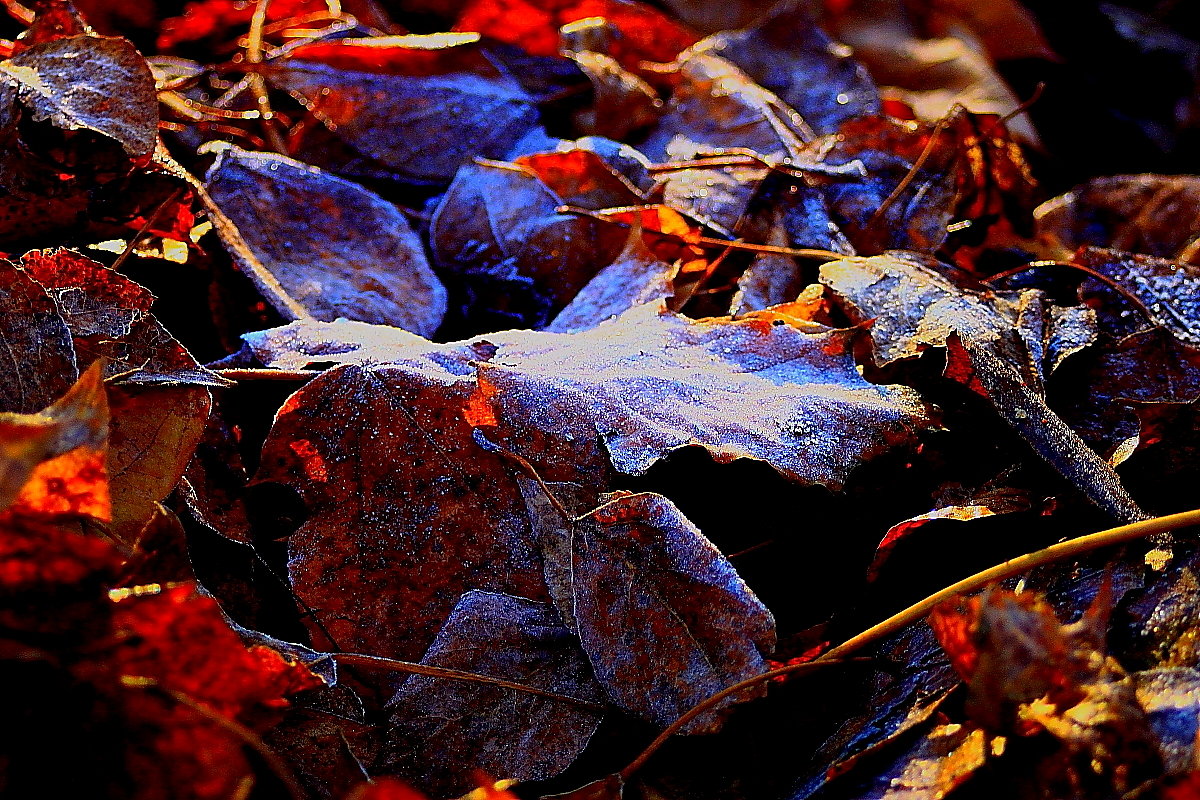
{"x": 38, "y": 359}
{"x": 438, "y": 727}
{"x": 664, "y": 618}
{"x": 160, "y": 405}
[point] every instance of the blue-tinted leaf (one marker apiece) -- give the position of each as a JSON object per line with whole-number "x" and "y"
{"x": 336, "y": 248}
{"x": 439, "y": 729}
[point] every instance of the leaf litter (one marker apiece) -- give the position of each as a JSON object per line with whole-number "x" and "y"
{"x": 395, "y": 393}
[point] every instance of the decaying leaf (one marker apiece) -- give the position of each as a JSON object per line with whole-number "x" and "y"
{"x": 1151, "y": 214}
{"x": 470, "y": 109}
{"x": 664, "y": 618}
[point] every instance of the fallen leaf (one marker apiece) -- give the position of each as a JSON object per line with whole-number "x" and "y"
{"x": 500, "y": 229}
{"x": 984, "y": 352}
{"x": 1166, "y": 291}
{"x": 664, "y": 618}
{"x": 646, "y": 33}
{"x": 471, "y": 111}
{"x": 436, "y": 728}
{"x": 71, "y": 83}
{"x": 355, "y": 256}
{"x": 39, "y": 360}
{"x": 787, "y": 53}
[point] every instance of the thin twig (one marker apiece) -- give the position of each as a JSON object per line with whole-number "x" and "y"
{"x": 146, "y": 226}
{"x": 267, "y": 374}
{"x": 394, "y": 665}
{"x": 1010, "y": 568}
{"x": 911, "y": 175}
{"x": 798, "y": 252}
{"x": 1100, "y": 276}
{"x": 708, "y": 703}
{"x": 258, "y": 85}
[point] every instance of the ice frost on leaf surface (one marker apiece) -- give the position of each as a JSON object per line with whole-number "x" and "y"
{"x": 438, "y": 727}
{"x": 98, "y": 83}
{"x": 400, "y": 499}
{"x": 650, "y": 382}
{"x": 337, "y": 248}
{"x": 423, "y": 126}
{"x": 1169, "y": 291}
{"x": 914, "y": 308}
{"x": 664, "y": 618}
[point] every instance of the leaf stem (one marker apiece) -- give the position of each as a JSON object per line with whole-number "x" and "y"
{"x": 918, "y": 611}
{"x": 709, "y": 702}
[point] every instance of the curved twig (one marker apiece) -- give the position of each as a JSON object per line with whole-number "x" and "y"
{"x": 1010, "y": 568}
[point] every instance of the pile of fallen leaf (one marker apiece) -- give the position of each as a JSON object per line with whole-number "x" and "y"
{"x": 412, "y": 398}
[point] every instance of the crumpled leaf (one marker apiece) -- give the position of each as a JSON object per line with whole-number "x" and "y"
{"x": 1151, "y": 214}
{"x": 915, "y": 308}
{"x": 1026, "y": 673}
{"x": 440, "y": 728}
{"x": 665, "y": 619}
{"x": 52, "y": 461}
{"x": 471, "y": 110}
{"x": 787, "y": 53}
{"x": 355, "y": 256}
{"x": 175, "y": 652}
{"x": 650, "y": 382}
{"x": 73, "y": 83}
